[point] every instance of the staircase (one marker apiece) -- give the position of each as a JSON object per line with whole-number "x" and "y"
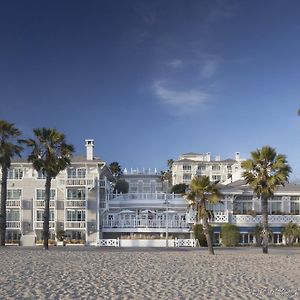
{"x": 28, "y": 239}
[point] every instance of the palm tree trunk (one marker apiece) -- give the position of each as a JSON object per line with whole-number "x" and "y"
{"x": 207, "y": 235}
{"x": 265, "y": 232}
{"x": 46, "y": 212}
{"x": 3, "y": 206}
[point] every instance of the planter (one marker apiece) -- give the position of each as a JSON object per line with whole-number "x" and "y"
{"x": 60, "y": 243}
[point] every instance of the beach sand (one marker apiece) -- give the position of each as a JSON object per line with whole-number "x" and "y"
{"x": 114, "y": 273}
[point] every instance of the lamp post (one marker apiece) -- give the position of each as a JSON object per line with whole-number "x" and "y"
{"x": 166, "y": 202}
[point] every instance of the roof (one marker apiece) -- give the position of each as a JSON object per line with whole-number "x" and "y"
{"x": 74, "y": 159}
{"x": 192, "y": 153}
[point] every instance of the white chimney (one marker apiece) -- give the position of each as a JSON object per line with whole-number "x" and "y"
{"x": 208, "y": 156}
{"x": 218, "y": 158}
{"x": 89, "y": 145}
{"x": 237, "y": 156}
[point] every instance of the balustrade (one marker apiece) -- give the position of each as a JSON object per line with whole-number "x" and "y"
{"x": 13, "y": 224}
{"x": 75, "y": 225}
{"x": 39, "y": 224}
{"x": 277, "y": 219}
{"x": 144, "y": 223}
{"x": 75, "y": 203}
{"x": 13, "y": 203}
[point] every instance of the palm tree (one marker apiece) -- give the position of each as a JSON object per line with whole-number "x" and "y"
{"x": 9, "y": 147}
{"x": 50, "y": 154}
{"x": 202, "y": 193}
{"x": 291, "y": 232}
{"x": 264, "y": 172}
{"x": 115, "y": 169}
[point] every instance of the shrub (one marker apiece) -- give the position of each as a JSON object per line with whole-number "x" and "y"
{"x": 179, "y": 188}
{"x": 121, "y": 186}
{"x": 230, "y": 235}
{"x": 199, "y": 234}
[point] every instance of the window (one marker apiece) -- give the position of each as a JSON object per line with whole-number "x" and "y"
{"x": 14, "y": 194}
{"x": 216, "y": 177}
{"x": 75, "y": 215}
{"x": 216, "y": 168}
{"x": 76, "y": 172}
{"x": 295, "y": 207}
{"x": 187, "y": 176}
{"x": 41, "y": 175}
{"x": 15, "y": 173}
{"x": 13, "y": 215}
{"x": 40, "y": 194}
{"x": 40, "y": 215}
{"x": 242, "y": 207}
{"x": 275, "y": 208}
{"x": 187, "y": 167}
{"x": 76, "y": 194}
{"x": 201, "y": 167}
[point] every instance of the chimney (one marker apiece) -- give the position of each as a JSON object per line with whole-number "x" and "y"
{"x": 208, "y": 156}
{"x": 89, "y": 145}
{"x": 218, "y": 158}
{"x": 237, "y": 156}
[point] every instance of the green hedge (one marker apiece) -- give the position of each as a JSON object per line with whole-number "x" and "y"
{"x": 199, "y": 234}
{"x": 230, "y": 235}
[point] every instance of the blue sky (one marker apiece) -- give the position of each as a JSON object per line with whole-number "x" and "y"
{"x": 149, "y": 80}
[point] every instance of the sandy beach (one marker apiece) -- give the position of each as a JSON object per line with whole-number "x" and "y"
{"x": 98, "y": 273}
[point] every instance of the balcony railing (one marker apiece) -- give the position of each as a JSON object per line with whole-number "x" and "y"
{"x": 75, "y": 225}
{"x": 144, "y": 223}
{"x": 275, "y": 219}
{"x": 41, "y": 203}
{"x": 13, "y": 224}
{"x": 75, "y": 203}
{"x": 13, "y": 203}
{"x": 87, "y": 181}
{"x": 39, "y": 224}
{"x": 146, "y": 196}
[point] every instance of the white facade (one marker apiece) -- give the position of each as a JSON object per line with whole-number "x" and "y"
{"x": 192, "y": 164}
{"x": 77, "y": 196}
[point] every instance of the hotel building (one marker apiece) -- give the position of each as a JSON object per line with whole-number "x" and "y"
{"x": 82, "y": 204}
{"x": 192, "y": 164}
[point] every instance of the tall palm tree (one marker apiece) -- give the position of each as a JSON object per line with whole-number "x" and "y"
{"x": 202, "y": 193}
{"x": 115, "y": 169}
{"x": 50, "y": 154}
{"x": 9, "y": 147}
{"x": 264, "y": 172}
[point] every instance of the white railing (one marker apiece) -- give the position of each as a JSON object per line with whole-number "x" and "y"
{"x": 41, "y": 203}
{"x": 146, "y": 243}
{"x": 218, "y": 217}
{"x": 185, "y": 243}
{"x": 75, "y": 225}
{"x": 13, "y": 224}
{"x": 88, "y": 181}
{"x": 108, "y": 243}
{"x": 142, "y": 223}
{"x": 75, "y": 203}
{"x": 39, "y": 224}
{"x": 13, "y": 203}
{"x": 146, "y": 196}
{"x": 275, "y": 219}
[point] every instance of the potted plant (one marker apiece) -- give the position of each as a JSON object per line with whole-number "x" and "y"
{"x": 60, "y": 237}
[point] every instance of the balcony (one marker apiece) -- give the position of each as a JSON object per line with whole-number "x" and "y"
{"x": 75, "y": 225}
{"x": 75, "y": 203}
{"x": 13, "y": 203}
{"x": 272, "y": 219}
{"x": 144, "y": 223}
{"x": 13, "y": 224}
{"x": 75, "y": 181}
{"x": 218, "y": 217}
{"x": 39, "y": 224}
{"x": 41, "y": 203}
